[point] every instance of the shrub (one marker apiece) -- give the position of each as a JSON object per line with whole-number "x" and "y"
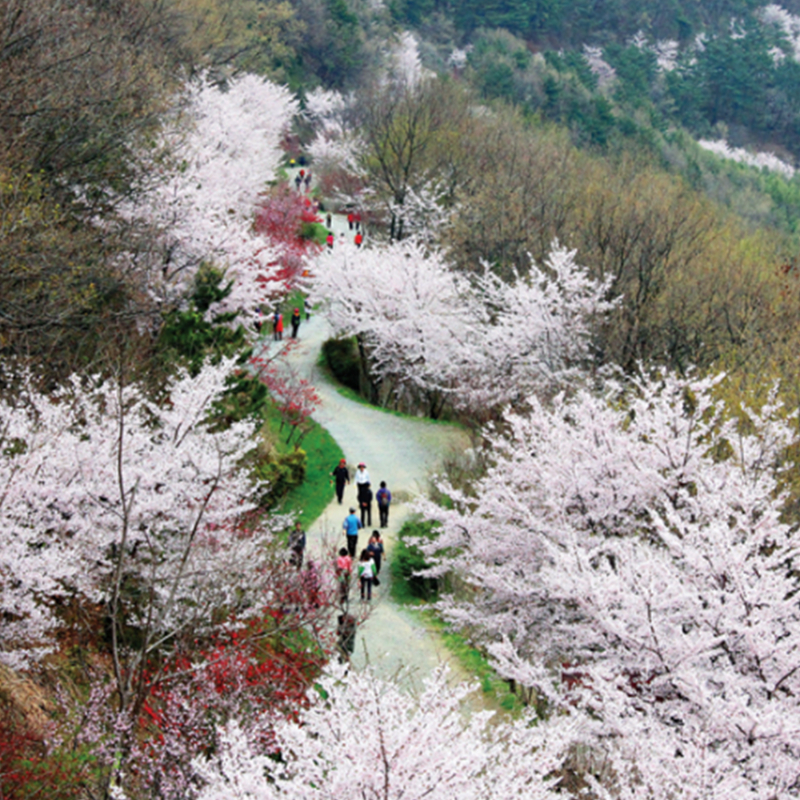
{"x": 284, "y": 471}
{"x": 408, "y": 559}
{"x": 28, "y": 770}
{"x": 341, "y": 356}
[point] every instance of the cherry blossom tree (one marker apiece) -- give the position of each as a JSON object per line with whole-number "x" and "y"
{"x": 366, "y": 738}
{"x": 205, "y": 199}
{"x": 138, "y": 517}
{"x": 336, "y": 143}
{"x": 626, "y": 556}
{"x": 105, "y": 491}
{"x": 412, "y": 315}
{"x": 428, "y": 333}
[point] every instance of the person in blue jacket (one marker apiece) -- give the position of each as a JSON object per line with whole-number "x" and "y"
{"x": 351, "y": 527}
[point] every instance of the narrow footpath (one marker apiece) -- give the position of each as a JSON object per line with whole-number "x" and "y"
{"x": 404, "y": 452}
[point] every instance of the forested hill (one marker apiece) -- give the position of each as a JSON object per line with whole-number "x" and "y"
{"x": 726, "y": 69}
{"x": 575, "y": 22}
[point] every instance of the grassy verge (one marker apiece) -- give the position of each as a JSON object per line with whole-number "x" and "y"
{"x": 419, "y": 594}
{"x": 473, "y": 661}
{"x": 308, "y": 500}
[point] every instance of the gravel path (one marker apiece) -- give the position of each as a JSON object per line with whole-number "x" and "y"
{"x": 402, "y": 451}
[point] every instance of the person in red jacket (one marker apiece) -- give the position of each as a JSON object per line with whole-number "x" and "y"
{"x": 359, "y": 238}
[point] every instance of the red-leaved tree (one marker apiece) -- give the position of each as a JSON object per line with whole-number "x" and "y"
{"x": 285, "y": 219}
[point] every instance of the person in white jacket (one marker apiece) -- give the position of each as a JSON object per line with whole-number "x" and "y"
{"x": 366, "y": 573}
{"x": 362, "y": 476}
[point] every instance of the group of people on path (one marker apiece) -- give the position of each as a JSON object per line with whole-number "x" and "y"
{"x": 369, "y": 563}
{"x": 303, "y": 177}
{"x": 277, "y": 323}
{"x": 341, "y": 477}
{"x": 358, "y": 239}
{"x": 370, "y": 558}
{"x": 368, "y": 569}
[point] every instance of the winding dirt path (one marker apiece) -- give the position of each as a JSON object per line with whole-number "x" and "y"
{"x": 402, "y": 451}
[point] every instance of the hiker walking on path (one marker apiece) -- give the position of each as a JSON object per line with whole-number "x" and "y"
{"x": 358, "y": 239}
{"x": 384, "y": 499}
{"x": 366, "y": 572}
{"x": 277, "y": 325}
{"x": 295, "y": 320}
{"x": 375, "y": 548}
{"x": 351, "y": 527}
{"x": 362, "y": 476}
{"x": 344, "y": 569}
{"x": 365, "y": 504}
{"x": 297, "y": 545}
{"x": 346, "y": 636}
{"x": 342, "y": 476}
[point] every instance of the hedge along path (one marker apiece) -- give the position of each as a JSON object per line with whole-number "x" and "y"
{"x": 403, "y": 451}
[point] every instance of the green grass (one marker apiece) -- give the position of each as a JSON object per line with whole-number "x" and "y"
{"x": 473, "y": 661}
{"x": 295, "y": 300}
{"x": 405, "y": 559}
{"x": 308, "y": 501}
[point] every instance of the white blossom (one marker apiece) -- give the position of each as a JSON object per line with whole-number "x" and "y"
{"x": 767, "y": 161}
{"x": 484, "y": 342}
{"x": 598, "y": 65}
{"x": 626, "y": 555}
{"x": 97, "y": 478}
{"x": 205, "y": 207}
{"x": 364, "y": 737}
{"x": 789, "y": 24}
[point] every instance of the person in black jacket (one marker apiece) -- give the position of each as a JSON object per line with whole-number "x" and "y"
{"x": 365, "y": 503}
{"x": 384, "y": 498}
{"x": 295, "y": 320}
{"x": 342, "y": 477}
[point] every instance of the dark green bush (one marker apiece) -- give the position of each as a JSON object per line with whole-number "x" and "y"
{"x": 407, "y": 559}
{"x": 284, "y": 471}
{"x": 188, "y": 336}
{"x": 341, "y": 356}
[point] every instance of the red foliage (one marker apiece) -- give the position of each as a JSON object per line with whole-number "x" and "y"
{"x": 27, "y": 770}
{"x": 282, "y": 219}
{"x": 281, "y": 214}
{"x": 261, "y": 669}
{"x": 296, "y": 397}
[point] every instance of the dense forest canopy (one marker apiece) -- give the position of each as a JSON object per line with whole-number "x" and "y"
{"x": 566, "y": 23}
